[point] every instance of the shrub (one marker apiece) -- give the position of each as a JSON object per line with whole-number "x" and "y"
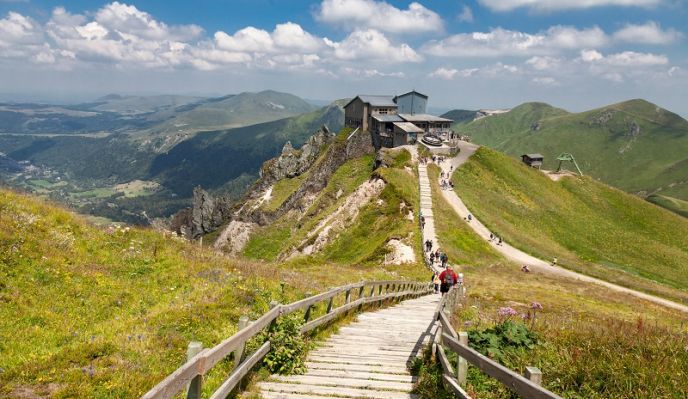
{"x": 287, "y": 347}
{"x": 507, "y": 336}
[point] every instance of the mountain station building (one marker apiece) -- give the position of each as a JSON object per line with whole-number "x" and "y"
{"x": 395, "y": 120}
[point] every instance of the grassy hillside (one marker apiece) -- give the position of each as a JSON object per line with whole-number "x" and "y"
{"x": 589, "y": 339}
{"x": 108, "y": 313}
{"x": 364, "y": 241}
{"x": 569, "y": 219}
{"x": 635, "y": 145}
{"x": 673, "y": 204}
{"x": 459, "y": 115}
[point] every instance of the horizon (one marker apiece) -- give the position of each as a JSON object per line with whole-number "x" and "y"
{"x": 464, "y": 55}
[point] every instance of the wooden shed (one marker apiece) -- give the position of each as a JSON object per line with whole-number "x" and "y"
{"x": 533, "y": 160}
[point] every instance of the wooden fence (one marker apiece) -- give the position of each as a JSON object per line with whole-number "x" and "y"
{"x": 446, "y": 336}
{"x": 200, "y": 360}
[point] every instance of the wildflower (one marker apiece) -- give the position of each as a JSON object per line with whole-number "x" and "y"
{"x": 536, "y": 306}
{"x": 506, "y": 312}
{"x": 525, "y": 316}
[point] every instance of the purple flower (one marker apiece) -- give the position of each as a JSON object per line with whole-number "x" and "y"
{"x": 525, "y": 316}
{"x": 536, "y": 306}
{"x": 506, "y": 312}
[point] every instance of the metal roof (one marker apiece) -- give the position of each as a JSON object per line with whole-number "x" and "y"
{"x": 423, "y": 118}
{"x": 378, "y": 101}
{"x": 374, "y": 100}
{"x": 408, "y": 127}
{"x": 533, "y": 156}
{"x": 412, "y": 92}
{"x": 387, "y": 118}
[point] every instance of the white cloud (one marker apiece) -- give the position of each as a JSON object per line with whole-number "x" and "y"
{"x": 544, "y": 63}
{"x": 466, "y": 14}
{"x": 379, "y": 15}
{"x": 121, "y": 17}
{"x": 648, "y": 33}
{"x": 451, "y": 73}
{"x": 369, "y": 73}
{"x": 248, "y": 39}
{"x": 372, "y": 45}
{"x": 501, "y": 42}
{"x": 18, "y": 29}
{"x": 545, "y": 81}
{"x": 623, "y": 59}
{"x": 557, "y": 5}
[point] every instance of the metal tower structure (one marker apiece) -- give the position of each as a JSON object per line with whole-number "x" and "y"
{"x": 566, "y": 157}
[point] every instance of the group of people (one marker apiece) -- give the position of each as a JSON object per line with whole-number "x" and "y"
{"x": 494, "y": 238}
{"x": 446, "y": 184}
{"x": 437, "y": 255}
{"x": 446, "y": 279}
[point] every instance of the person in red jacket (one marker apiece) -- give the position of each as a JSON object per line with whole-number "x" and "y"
{"x": 448, "y": 278}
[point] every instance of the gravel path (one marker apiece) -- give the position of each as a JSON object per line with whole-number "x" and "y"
{"x": 520, "y": 257}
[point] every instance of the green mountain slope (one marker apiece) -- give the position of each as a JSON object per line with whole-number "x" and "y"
{"x": 588, "y": 226}
{"x": 459, "y": 115}
{"x": 635, "y": 145}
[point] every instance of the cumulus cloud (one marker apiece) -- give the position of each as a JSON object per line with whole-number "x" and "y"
{"x": 372, "y": 45}
{"x": 544, "y": 63}
{"x": 451, "y": 73}
{"x": 369, "y": 73}
{"x": 379, "y": 15}
{"x": 502, "y": 42}
{"x": 557, "y": 5}
{"x": 648, "y": 33}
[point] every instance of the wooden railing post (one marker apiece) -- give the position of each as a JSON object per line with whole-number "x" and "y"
{"x": 372, "y": 291}
{"x": 239, "y": 352}
{"x": 348, "y": 296}
{"x": 196, "y": 384}
{"x": 462, "y": 364}
{"x": 534, "y": 374}
{"x": 329, "y": 305}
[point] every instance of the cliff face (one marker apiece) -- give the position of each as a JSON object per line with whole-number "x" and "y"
{"x": 340, "y": 149}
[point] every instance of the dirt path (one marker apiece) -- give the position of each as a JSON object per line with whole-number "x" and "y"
{"x": 522, "y": 258}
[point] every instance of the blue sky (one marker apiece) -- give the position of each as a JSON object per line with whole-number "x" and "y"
{"x": 575, "y": 54}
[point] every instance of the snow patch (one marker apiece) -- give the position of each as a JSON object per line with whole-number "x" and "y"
{"x": 275, "y": 105}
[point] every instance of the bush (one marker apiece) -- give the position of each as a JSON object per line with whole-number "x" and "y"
{"x": 287, "y": 347}
{"x": 507, "y": 336}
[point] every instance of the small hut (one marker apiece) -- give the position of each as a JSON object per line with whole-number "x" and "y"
{"x": 532, "y": 160}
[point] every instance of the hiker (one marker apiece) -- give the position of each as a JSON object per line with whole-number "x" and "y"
{"x": 432, "y": 258}
{"x": 451, "y": 184}
{"x": 554, "y": 262}
{"x": 500, "y": 241}
{"x": 436, "y": 282}
{"x": 444, "y": 258}
{"x": 470, "y": 217}
{"x": 491, "y": 237}
{"x": 451, "y": 168}
{"x": 460, "y": 279}
{"x": 428, "y": 245}
{"x": 525, "y": 269}
{"x": 422, "y": 222}
{"x": 437, "y": 254}
{"x": 448, "y": 279}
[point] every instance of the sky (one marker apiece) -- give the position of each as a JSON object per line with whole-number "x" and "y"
{"x": 574, "y": 54}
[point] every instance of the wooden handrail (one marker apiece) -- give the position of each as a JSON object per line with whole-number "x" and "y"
{"x": 207, "y": 358}
{"x": 511, "y": 379}
{"x": 446, "y": 335}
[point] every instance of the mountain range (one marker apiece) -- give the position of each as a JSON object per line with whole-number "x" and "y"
{"x": 635, "y": 145}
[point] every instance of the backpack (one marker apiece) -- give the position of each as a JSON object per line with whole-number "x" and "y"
{"x": 449, "y": 279}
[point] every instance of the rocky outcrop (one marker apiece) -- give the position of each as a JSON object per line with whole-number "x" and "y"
{"x": 292, "y": 162}
{"x": 205, "y": 215}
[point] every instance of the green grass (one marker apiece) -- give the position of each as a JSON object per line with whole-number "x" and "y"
{"x": 282, "y": 190}
{"x": 107, "y": 313}
{"x": 673, "y": 204}
{"x": 602, "y": 140}
{"x": 593, "y": 342}
{"x": 589, "y": 227}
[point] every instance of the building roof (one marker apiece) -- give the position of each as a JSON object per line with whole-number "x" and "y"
{"x": 423, "y": 118}
{"x": 412, "y": 92}
{"x": 387, "y": 118}
{"x": 408, "y": 127}
{"x": 375, "y": 100}
{"x": 533, "y": 156}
